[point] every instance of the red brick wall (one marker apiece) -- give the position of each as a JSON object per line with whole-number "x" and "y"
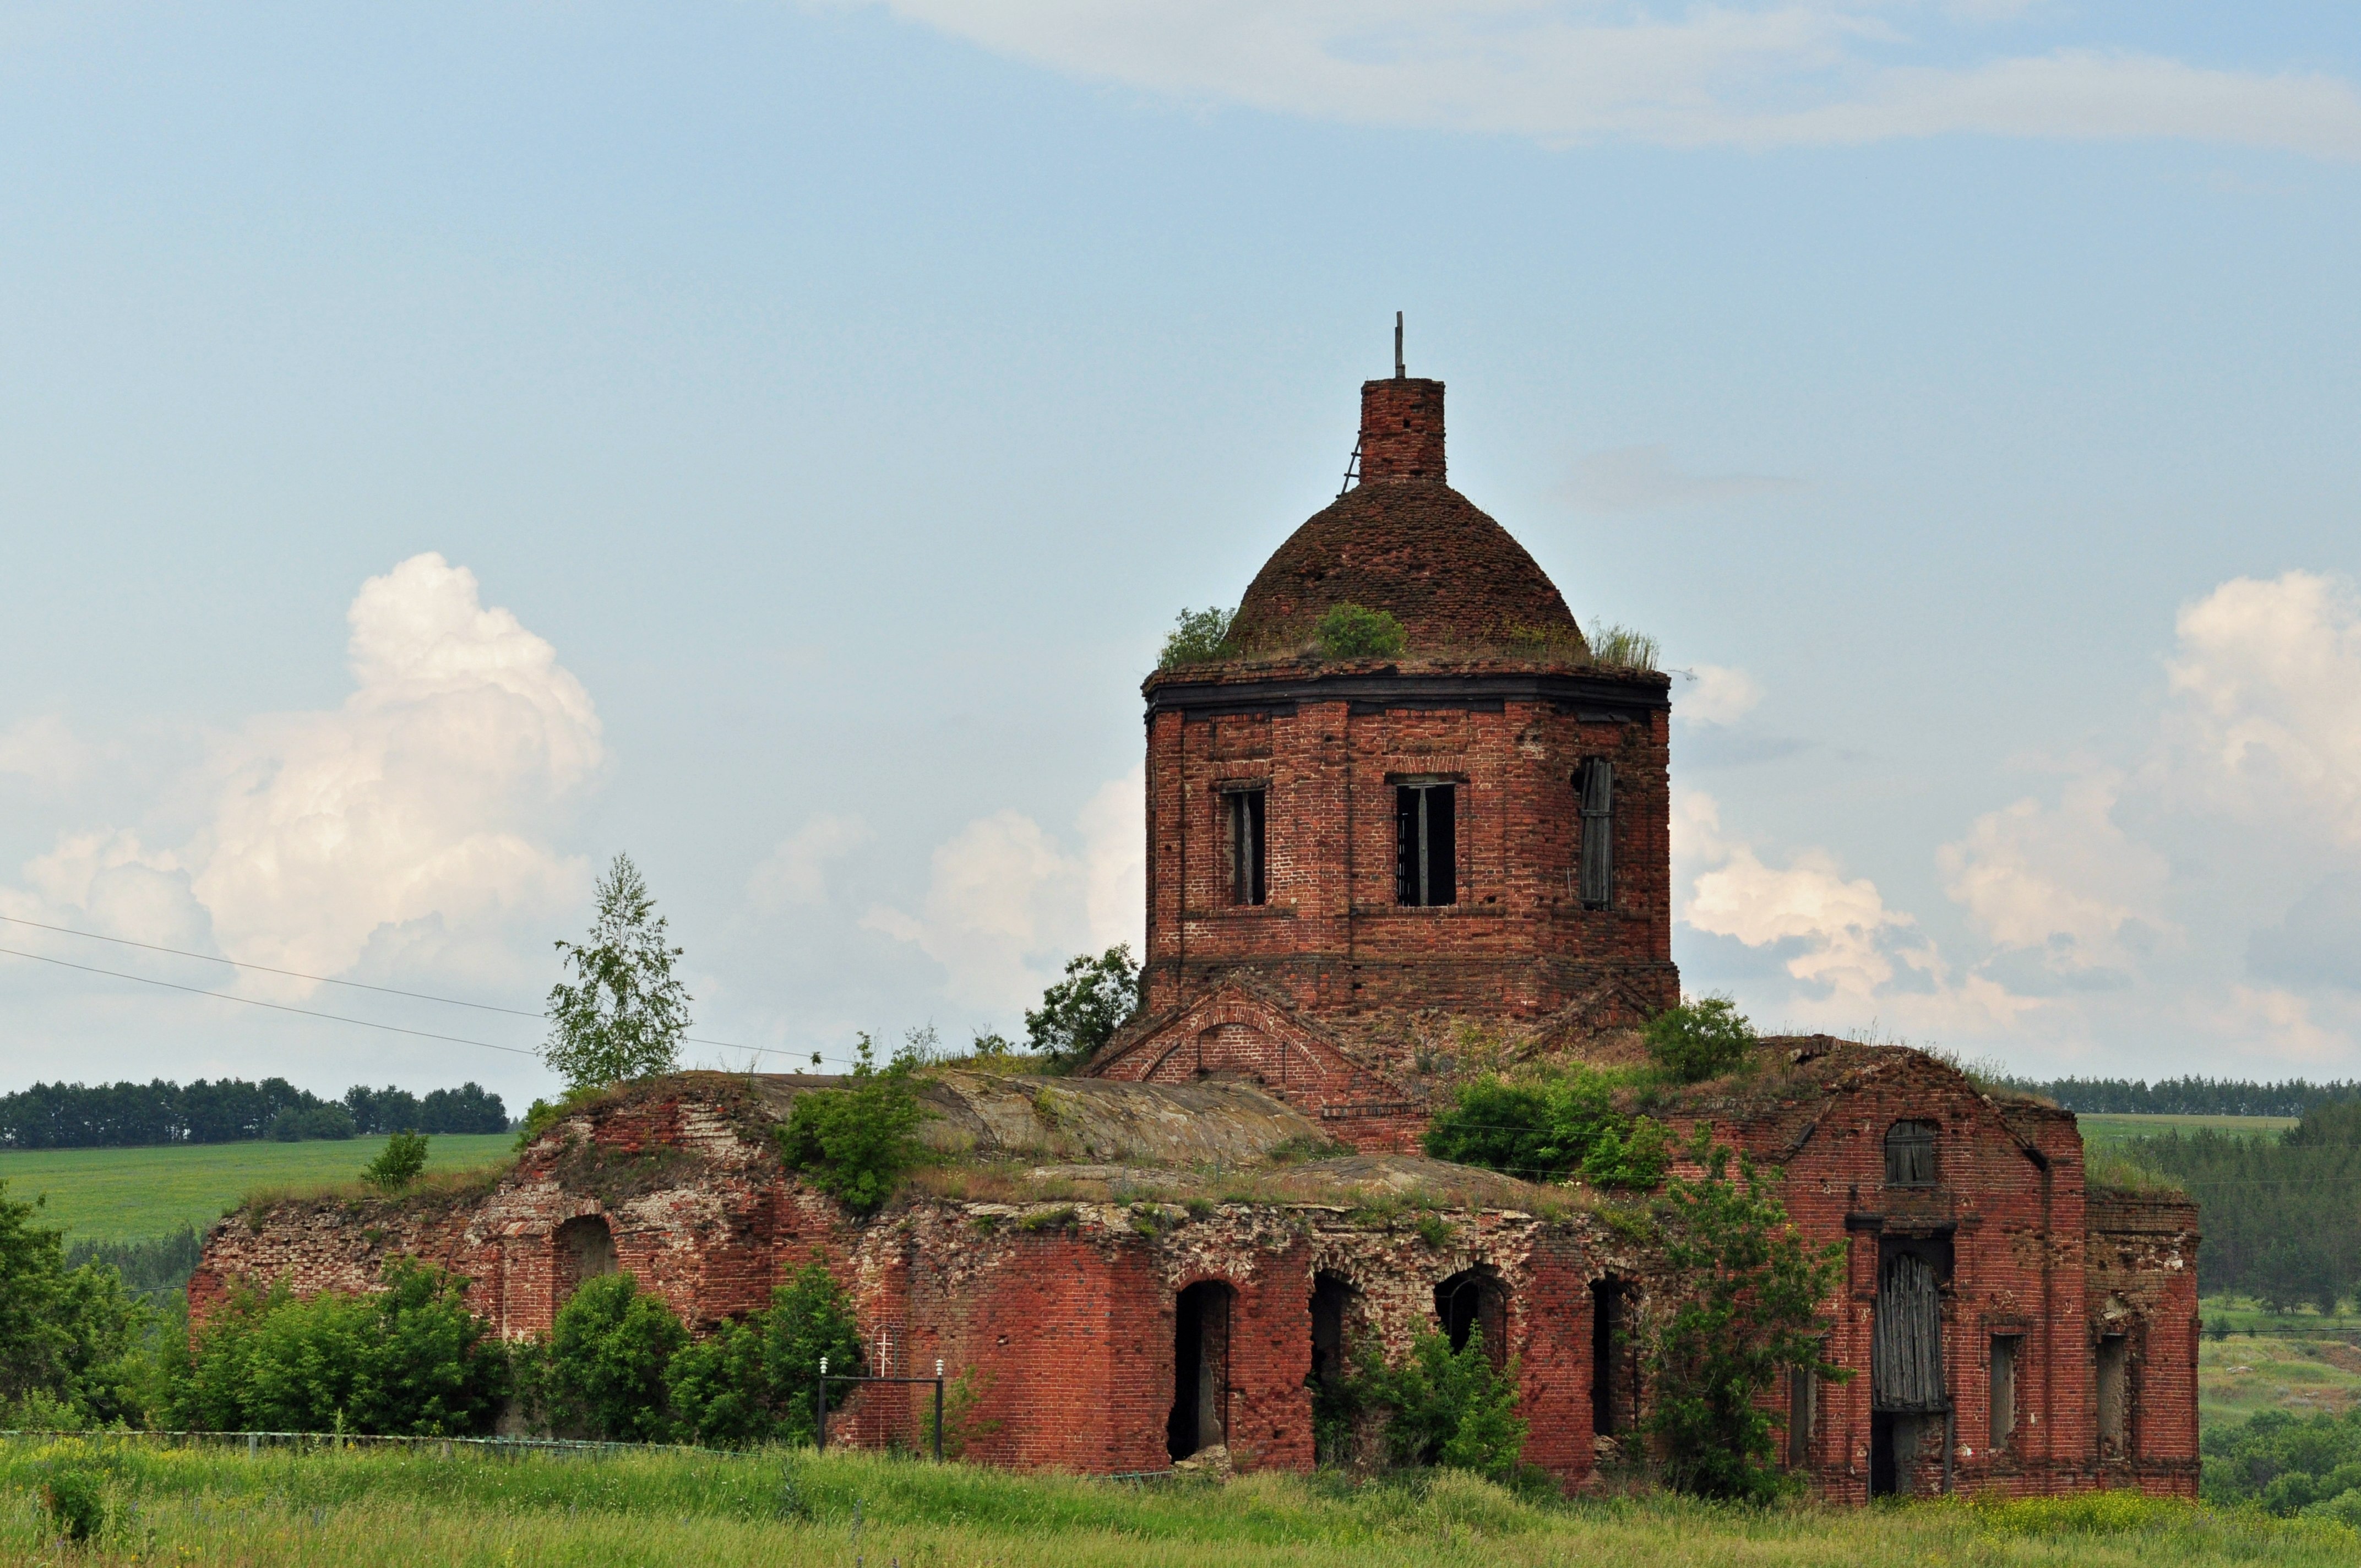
{"x": 1401, "y": 431}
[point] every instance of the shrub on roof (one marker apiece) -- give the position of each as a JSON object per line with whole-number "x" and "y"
{"x": 1354, "y": 631}
{"x": 1544, "y": 1128}
{"x": 1699, "y": 1039}
{"x": 1197, "y": 636}
{"x": 854, "y": 1143}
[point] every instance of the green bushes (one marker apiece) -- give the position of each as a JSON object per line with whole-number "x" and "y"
{"x": 2286, "y": 1464}
{"x": 1352, "y": 632}
{"x": 601, "y": 1374}
{"x": 1745, "y": 1292}
{"x": 855, "y": 1143}
{"x": 1621, "y": 648}
{"x": 751, "y": 1381}
{"x": 1441, "y": 1406}
{"x": 410, "y": 1360}
{"x": 1197, "y": 636}
{"x": 74, "y": 1497}
{"x": 69, "y": 1337}
{"x": 1544, "y": 1128}
{"x": 1080, "y": 1013}
{"x": 398, "y": 1163}
{"x": 1700, "y": 1039}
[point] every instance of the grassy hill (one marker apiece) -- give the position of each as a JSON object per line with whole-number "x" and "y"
{"x": 130, "y": 1194}
{"x": 2098, "y": 1130}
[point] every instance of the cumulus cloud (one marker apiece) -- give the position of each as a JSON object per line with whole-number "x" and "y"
{"x": 1766, "y": 73}
{"x": 43, "y": 750}
{"x": 1720, "y": 696}
{"x": 796, "y": 872}
{"x": 1841, "y": 938}
{"x": 2267, "y": 721}
{"x": 1006, "y": 903}
{"x": 1639, "y": 479}
{"x": 422, "y": 801}
{"x": 2063, "y": 880}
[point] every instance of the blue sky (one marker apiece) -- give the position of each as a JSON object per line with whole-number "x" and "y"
{"x": 440, "y": 448}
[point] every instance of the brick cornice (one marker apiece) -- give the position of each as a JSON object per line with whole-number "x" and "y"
{"x": 1584, "y": 695}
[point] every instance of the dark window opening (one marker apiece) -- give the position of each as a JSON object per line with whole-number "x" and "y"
{"x": 1910, "y": 1154}
{"x": 1614, "y": 1360}
{"x": 1243, "y": 827}
{"x": 1473, "y": 1301}
{"x": 1803, "y": 1398}
{"x": 1201, "y": 1369}
{"x": 1596, "y": 783}
{"x": 2115, "y": 1397}
{"x": 1425, "y": 836}
{"x": 2005, "y": 1349}
{"x": 1897, "y": 1444}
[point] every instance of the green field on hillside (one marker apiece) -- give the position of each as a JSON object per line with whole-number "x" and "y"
{"x": 126, "y": 1194}
{"x": 406, "y": 1509}
{"x": 2099, "y": 1129}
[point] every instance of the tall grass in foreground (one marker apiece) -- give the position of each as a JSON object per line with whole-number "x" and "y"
{"x": 784, "y": 1506}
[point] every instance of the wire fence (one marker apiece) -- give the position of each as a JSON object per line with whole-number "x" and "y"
{"x": 328, "y": 1442}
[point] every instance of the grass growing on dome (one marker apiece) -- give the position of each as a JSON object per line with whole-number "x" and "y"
{"x": 1618, "y": 647}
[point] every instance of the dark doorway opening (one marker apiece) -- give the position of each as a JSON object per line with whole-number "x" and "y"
{"x": 1332, "y": 1406}
{"x": 1201, "y": 1369}
{"x": 1471, "y": 1300}
{"x": 1882, "y": 1468}
{"x": 586, "y": 1249}
{"x": 1614, "y": 1385}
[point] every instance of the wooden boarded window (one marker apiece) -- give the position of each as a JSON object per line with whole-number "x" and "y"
{"x": 2115, "y": 1397}
{"x": 1906, "y": 1339}
{"x": 2005, "y": 1352}
{"x": 1242, "y": 822}
{"x": 1910, "y": 1154}
{"x": 1426, "y": 844}
{"x": 1596, "y": 783}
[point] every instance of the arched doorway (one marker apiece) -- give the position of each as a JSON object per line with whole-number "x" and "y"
{"x": 1331, "y": 1408}
{"x": 1474, "y": 1299}
{"x": 1201, "y": 1369}
{"x": 586, "y": 1249}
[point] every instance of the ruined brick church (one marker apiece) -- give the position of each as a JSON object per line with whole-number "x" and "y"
{"x": 1368, "y": 876}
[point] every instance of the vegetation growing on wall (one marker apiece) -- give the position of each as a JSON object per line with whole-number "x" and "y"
{"x": 1548, "y": 1125}
{"x": 1745, "y": 1290}
{"x": 1699, "y": 1039}
{"x": 856, "y": 1142}
{"x": 623, "y": 1015}
{"x": 1355, "y": 631}
{"x": 1440, "y": 1406}
{"x": 1196, "y": 638}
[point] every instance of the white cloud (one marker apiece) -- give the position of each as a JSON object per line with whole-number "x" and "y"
{"x": 1721, "y": 696}
{"x": 2064, "y": 880}
{"x": 1849, "y": 943}
{"x": 44, "y": 749}
{"x": 2267, "y": 723}
{"x": 424, "y": 800}
{"x": 1639, "y": 479}
{"x": 796, "y": 872}
{"x": 1006, "y": 906}
{"x": 1777, "y": 72}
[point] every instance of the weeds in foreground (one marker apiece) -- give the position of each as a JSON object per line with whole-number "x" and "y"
{"x": 784, "y": 1506}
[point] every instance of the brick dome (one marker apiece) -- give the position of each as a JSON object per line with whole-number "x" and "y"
{"x": 1417, "y": 549}
{"x": 1406, "y": 543}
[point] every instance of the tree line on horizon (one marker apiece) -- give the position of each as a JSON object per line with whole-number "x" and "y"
{"x": 232, "y": 1110}
{"x": 2188, "y": 1096}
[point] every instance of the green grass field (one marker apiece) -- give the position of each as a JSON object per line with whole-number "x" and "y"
{"x": 126, "y": 1194}
{"x": 2121, "y": 1129}
{"x": 776, "y": 1508}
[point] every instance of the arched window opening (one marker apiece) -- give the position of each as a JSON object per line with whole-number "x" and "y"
{"x": 1201, "y": 1369}
{"x": 586, "y": 1249}
{"x": 1910, "y": 1154}
{"x": 1472, "y": 1300}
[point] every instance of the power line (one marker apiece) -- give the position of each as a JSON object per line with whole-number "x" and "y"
{"x": 274, "y": 1006}
{"x": 266, "y": 969}
{"x": 327, "y": 979}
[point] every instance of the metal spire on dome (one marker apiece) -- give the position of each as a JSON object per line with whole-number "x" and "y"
{"x": 1401, "y": 373}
